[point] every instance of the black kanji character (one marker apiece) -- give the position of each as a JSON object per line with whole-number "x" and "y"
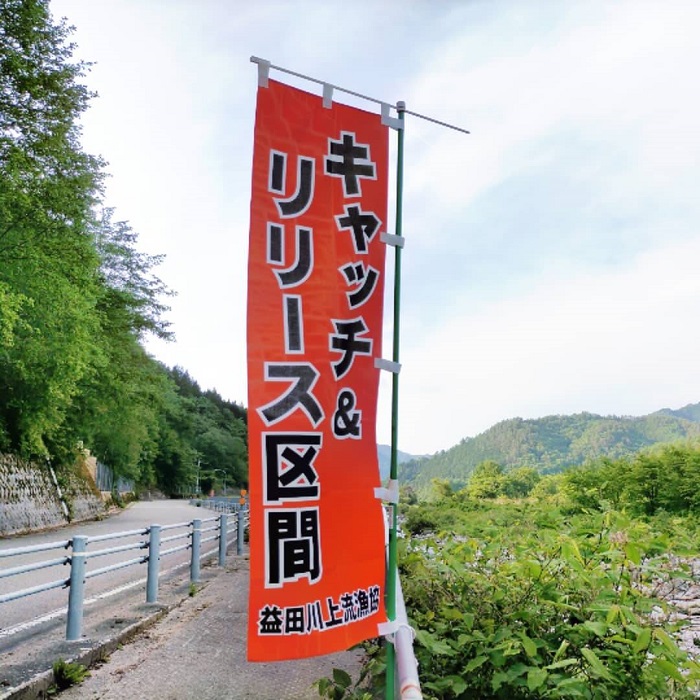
{"x": 350, "y": 161}
{"x": 314, "y": 619}
{"x": 362, "y": 602}
{"x": 366, "y": 278}
{"x": 332, "y": 620}
{"x": 347, "y": 603}
{"x": 346, "y": 340}
{"x": 294, "y": 620}
{"x": 363, "y": 224}
{"x": 270, "y": 620}
{"x": 289, "y": 469}
{"x": 373, "y": 599}
{"x": 293, "y": 546}
{"x": 303, "y": 377}
{"x": 300, "y": 201}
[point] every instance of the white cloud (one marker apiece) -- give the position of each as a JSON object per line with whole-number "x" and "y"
{"x": 624, "y": 343}
{"x": 587, "y": 97}
{"x": 621, "y": 79}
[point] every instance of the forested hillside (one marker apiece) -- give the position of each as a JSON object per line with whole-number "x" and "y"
{"x": 553, "y": 443}
{"x": 572, "y": 587}
{"x": 384, "y": 457}
{"x": 77, "y": 296}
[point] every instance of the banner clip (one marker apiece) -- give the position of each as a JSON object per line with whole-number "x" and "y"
{"x": 392, "y": 239}
{"x": 388, "y": 120}
{"x": 387, "y": 629}
{"x": 390, "y": 494}
{"x": 263, "y": 70}
{"x": 388, "y": 365}
{"x": 390, "y": 629}
{"x": 408, "y": 627}
{"x": 327, "y": 95}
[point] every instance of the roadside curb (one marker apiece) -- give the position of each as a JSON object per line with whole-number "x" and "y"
{"x": 55, "y": 527}
{"x": 37, "y": 686}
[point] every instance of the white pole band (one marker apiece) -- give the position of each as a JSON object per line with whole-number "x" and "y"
{"x": 387, "y": 629}
{"x": 388, "y": 365}
{"x": 392, "y": 239}
{"x": 406, "y": 665}
{"x": 388, "y": 120}
{"x": 327, "y": 95}
{"x": 263, "y": 70}
{"x": 390, "y": 494}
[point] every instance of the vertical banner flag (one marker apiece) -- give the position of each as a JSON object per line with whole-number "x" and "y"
{"x": 315, "y": 296}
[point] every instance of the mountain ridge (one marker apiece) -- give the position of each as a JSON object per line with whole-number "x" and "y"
{"x": 384, "y": 458}
{"x": 553, "y": 443}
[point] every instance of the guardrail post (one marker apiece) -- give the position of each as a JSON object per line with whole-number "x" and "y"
{"x": 223, "y": 524}
{"x": 74, "y": 623}
{"x": 241, "y": 531}
{"x": 196, "y": 545}
{"x": 153, "y": 564}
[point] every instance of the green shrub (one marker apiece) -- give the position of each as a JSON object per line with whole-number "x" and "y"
{"x": 546, "y": 609}
{"x": 419, "y": 519}
{"x": 67, "y": 674}
{"x": 341, "y": 687}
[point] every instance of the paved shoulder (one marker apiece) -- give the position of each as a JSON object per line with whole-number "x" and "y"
{"x": 198, "y": 652}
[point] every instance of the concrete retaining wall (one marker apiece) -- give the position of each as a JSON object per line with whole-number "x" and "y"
{"x": 29, "y": 497}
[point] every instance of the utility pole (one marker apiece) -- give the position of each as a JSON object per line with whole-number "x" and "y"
{"x": 223, "y": 471}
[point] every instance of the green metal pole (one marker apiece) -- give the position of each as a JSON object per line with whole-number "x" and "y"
{"x": 392, "y": 572}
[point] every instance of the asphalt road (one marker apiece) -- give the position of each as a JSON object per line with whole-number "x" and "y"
{"x": 195, "y": 651}
{"x": 15, "y": 614}
{"x": 198, "y": 652}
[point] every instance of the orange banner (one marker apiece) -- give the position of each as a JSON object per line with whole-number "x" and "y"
{"x": 315, "y": 295}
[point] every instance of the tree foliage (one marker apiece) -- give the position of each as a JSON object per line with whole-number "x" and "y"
{"x": 664, "y": 478}
{"x": 561, "y": 589}
{"x": 48, "y": 260}
{"x": 552, "y": 444}
{"x": 529, "y": 604}
{"x": 77, "y": 296}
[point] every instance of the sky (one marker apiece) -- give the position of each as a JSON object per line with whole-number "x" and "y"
{"x": 551, "y": 259}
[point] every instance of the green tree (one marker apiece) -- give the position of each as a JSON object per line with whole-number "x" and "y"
{"x": 647, "y": 482}
{"x": 486, "y": 480}
{"x": 199, "y": 426}
{"x": 77, "y": 296}
{"x": 117, "y": 411}
{"x": 548, "y": 487}
{"x": 131, "y": 291}
{"x": 599, "y": 485}
{"x": 518, "y": 483}
{"x": 49, "y": 263}
{"x": 688, "y": 491}
{"x": 442, "y": 488}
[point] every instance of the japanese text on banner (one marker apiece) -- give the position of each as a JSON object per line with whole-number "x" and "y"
{"x": 315, "y": 293}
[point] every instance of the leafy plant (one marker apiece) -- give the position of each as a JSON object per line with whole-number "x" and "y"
{"x": 368, "y": 686}
{"x": 550, "y": 608}
{"x": 77, "y": 296}
{"x": 67, "y": 674}
{"x": 341, "y": 686}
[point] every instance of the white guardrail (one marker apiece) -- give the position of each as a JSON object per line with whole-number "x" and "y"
{"x": 408, "y": 683}
{"x": 186, "y": 535}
